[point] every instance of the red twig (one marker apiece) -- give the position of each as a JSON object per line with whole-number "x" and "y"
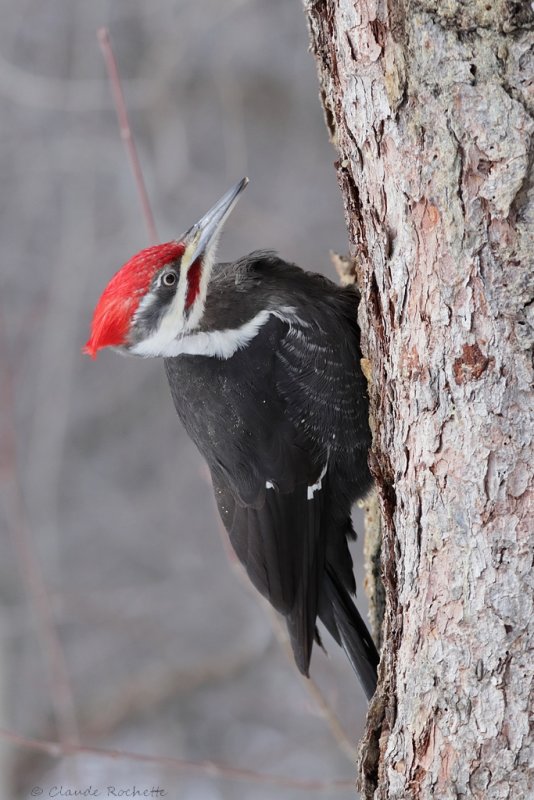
{"x": 210, "y": 768}
{"x": 125, "y": 130}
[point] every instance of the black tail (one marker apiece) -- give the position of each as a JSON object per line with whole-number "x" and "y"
{"x": 342, "y": 619}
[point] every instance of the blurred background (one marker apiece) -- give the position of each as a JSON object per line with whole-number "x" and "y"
{"x": 124, "y": 625}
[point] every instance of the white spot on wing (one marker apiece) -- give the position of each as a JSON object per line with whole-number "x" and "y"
{"x": 316, "y": 487}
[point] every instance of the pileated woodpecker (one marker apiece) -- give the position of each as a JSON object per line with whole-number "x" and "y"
{"x": 263, "y": 362}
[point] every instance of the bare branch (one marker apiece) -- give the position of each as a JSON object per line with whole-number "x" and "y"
{"x": 210, "y": 768}
{"x": 30, "y": 568}
{"x": 125, "y": 130}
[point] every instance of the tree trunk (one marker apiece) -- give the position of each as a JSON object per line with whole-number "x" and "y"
{"x": 430, "y": 106}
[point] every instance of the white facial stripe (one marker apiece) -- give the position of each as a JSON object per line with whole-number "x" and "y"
{"x": 176, "y": 311}
{"x": 174, "y": 322}
{"x": 197, "y": 309}
{"x": 168, "y": 343}
{"x": 176, "y": 318}
{"x": 221, "y": 344}
{"x": 165, "y": 334}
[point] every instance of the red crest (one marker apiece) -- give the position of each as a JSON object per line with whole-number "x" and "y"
{"x": 121, "y": 297}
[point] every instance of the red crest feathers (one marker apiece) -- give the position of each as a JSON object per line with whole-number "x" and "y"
{"x": 121, "y": 297}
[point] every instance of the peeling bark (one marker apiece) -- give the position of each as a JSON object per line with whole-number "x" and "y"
{"x": 431, "y": 108}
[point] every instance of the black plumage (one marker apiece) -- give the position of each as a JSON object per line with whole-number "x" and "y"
{"x": 283, "y": 426}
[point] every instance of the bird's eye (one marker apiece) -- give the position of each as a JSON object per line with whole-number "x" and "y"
{"x": 169, "y": 279}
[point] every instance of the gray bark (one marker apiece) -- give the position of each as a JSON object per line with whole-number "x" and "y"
{"x": 430, "y": 106}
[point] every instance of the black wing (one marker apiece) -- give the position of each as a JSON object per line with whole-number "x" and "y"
{"x": 262, "y": 469}
{"x": 281, "y": 547}
{"x": 283, "y": 427}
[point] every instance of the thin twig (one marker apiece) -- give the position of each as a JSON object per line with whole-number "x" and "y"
{"x": 327, "y": 712}
{"x": 30, "y": 568}
{"x": 210, "y": 768}
{"x": 125, "y": 130}
{"x": 343, "y": 740}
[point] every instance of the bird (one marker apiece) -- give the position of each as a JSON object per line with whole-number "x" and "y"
{"x": 263, "y": 363}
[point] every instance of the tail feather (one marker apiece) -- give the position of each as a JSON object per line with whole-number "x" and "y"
{"x": 342, "y": 619}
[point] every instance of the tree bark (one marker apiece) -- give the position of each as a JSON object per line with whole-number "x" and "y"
{"x": 430, "y": 106}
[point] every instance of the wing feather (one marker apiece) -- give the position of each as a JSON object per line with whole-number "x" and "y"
{"x": 281, "y": 547}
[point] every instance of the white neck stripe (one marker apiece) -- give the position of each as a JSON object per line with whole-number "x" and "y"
{"x": 220, "y": 344}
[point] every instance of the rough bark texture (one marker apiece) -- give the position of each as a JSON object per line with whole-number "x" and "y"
{"x": 430, "y": 105}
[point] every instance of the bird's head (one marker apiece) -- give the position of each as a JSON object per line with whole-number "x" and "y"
{"x": 159, "y": 294}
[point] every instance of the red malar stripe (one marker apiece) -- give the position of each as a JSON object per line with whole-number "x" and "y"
{"x": 193, "y": 282}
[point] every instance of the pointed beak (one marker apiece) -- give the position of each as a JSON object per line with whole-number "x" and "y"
{"x": 205, "y": 232}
